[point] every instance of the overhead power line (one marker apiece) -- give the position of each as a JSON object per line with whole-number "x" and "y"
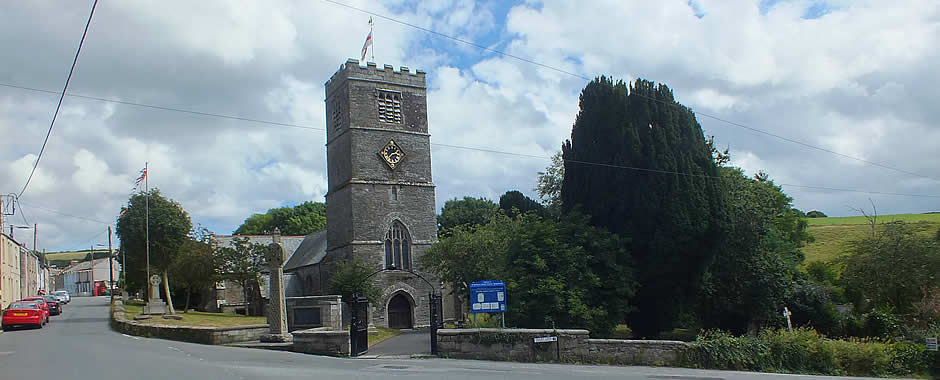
{"x": 64, "y": 214}
{"x": 308, "y": 127}
{"x": 62, "y": 96}
{"x": 576, "y": 75}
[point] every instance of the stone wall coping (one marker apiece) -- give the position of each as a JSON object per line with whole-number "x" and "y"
{"x": 638, "y": 341}
{"x": 331, "y": 297}
{"x": 314, "y": 333}
{"x": 512, "y": 331}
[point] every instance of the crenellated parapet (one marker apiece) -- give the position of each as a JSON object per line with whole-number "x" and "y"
{"x": 372, "y": 72}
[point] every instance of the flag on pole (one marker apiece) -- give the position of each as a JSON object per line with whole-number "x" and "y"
{"x": 365, "y": 46}
{"x": 368, "y": 43}
{"x": 141, "y": 178}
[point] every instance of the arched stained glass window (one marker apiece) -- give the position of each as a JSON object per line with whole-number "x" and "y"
{"x": 397, "y": 250}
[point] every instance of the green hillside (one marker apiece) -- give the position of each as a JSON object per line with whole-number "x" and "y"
{"x": 62, "y": 259}
{"x": 834, "y": 235}
{"x": 854, "y": 220}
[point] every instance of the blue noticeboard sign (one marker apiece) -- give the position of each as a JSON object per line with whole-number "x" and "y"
{"x": 488, "y": 297}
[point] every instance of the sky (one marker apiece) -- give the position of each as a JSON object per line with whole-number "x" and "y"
{"x": 858, "y": 79}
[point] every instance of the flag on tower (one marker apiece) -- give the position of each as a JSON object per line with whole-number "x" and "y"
{"x": 368, "y": 43}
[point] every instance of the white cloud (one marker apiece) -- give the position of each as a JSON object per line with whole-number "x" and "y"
{"x": 860, "y": 80}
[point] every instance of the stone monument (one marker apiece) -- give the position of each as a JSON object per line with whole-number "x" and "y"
{"x": 277, "y": 306}
{"x": 155, "y": 305}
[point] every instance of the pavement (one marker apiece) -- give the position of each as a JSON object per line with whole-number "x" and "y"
{"x": 409, "y": 343}
{"x": 79, "y": 345}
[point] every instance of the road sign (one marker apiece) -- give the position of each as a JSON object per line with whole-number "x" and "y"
{"x": 545, "y": 339}
{"x": 488, "y": 297}
{"x": 931, "y": 344}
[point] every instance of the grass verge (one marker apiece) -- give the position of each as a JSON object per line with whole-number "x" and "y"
{"x": 196, "y": 318}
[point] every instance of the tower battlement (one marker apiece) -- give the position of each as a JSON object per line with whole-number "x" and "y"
{"x": 372, "y": 72}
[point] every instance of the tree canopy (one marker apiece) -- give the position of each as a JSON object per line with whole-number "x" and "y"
{"x": 303, "y": 219}
{"x": 562, "y": 273}
{"x": 169, "y": 230}
{"x": 514, "y": 203}
{"x": 468, "y": 211}
{"x": 675, "y": 222}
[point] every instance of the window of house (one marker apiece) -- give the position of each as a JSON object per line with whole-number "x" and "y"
{"x": 397, "y": 249}
{"x": 389, "y": 103}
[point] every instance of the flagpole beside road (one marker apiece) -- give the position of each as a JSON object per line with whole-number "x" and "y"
{"x": 147, "y": 233}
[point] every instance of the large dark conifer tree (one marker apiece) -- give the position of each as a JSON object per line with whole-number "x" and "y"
{"x": 669, "y": 205}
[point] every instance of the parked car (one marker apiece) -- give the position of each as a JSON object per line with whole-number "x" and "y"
{"x": 42, "y": 304}
{"x": 55, "y": 308}
{"x": 63, "y": 296}
{"x": 23, "y": 313}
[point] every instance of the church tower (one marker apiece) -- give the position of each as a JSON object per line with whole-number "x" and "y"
{"x": 380, "y": 205}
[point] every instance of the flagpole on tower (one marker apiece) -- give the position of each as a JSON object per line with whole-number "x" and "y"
{"x": 371, "y": 30}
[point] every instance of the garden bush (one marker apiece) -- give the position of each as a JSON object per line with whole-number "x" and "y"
{"x": 806, "y": 351}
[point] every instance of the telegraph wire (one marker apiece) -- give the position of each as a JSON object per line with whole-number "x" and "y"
{"x": 471, "y": 43}
{"x": 62, "y": 96}
{"x": 713, "y": 117}
{"x": 307, "y": 127}
{"x": 22, "y": 214}
{"x": 164, "y": 108}
{"x": 64, "y": 214}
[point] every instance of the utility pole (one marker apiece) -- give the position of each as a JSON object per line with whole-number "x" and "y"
{"x": 93, "y": 271}
{"x": 110, "y": 267}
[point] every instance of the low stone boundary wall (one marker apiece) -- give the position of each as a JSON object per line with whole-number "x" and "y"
{"x": 634, "y": 352}
{"x": 322, "y": 341}
{"x": 572, "y": 346}
{"x": 193, "y": 334}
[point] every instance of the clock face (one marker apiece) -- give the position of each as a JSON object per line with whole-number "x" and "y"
{"x": 392, "y": 154}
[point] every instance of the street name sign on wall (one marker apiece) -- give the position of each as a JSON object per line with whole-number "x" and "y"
{"x": 488, "y": 297}
{"x": 545, "y": 339}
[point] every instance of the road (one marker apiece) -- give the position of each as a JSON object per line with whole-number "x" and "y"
{"x": 79, "y": 345}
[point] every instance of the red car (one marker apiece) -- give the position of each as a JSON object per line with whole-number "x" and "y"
{"x": 42, "y": 305}
{"x": 24, "y": 313}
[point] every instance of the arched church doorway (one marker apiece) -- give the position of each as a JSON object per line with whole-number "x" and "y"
{"x": 399, "y": 312}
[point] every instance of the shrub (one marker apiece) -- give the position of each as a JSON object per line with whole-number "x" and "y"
{"x": 802, "y": 351}
{"x": 715, "y": 349}
{"x": 861, "y": 357}
{"x": 882, "y": 323}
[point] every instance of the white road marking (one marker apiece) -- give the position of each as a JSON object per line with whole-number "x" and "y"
{"x": 131, "y": 336}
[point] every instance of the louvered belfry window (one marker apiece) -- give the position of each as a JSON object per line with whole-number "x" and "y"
{"x": 389, "y": 103}
{"x": 397, "y": 247}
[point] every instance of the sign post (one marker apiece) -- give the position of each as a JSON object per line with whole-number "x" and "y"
{"x": 488, "y": 297}
{"x": 787, "y": 313}
{"x": 932, "y": 344}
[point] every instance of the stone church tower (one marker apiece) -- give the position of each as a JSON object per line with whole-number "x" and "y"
{"x": 380, "y": 203}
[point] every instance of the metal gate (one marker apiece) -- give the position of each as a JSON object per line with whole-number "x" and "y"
{"x": 437, "y": 319}
{"x": 359, "y": 326}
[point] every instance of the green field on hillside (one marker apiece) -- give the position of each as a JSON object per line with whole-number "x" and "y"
{"x": 835, "y": 235}
{"x": 849, "y": 220}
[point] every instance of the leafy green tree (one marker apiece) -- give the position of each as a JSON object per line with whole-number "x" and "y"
{"x": 169, "y": 230}
{"x": 515, "y": 203}
{"x": 676, "y": 222}
{"x": 242, "y": 263}
{"x": 195, "y": 268}
{"x": 468, "y": 211}
{"x": 895, "y": 268}
{"x": 352, "y": 277}
{"x": 470, "y": 253}
{"x": 815, "y": 214}
{"x": 567, "y": 274}
{"x": 562, "y": 273}
{"x": 303, "y": 219}
{"x": 549, "y": 182}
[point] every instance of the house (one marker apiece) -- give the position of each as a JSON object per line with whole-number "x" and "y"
{"x": 80, "y": 279}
